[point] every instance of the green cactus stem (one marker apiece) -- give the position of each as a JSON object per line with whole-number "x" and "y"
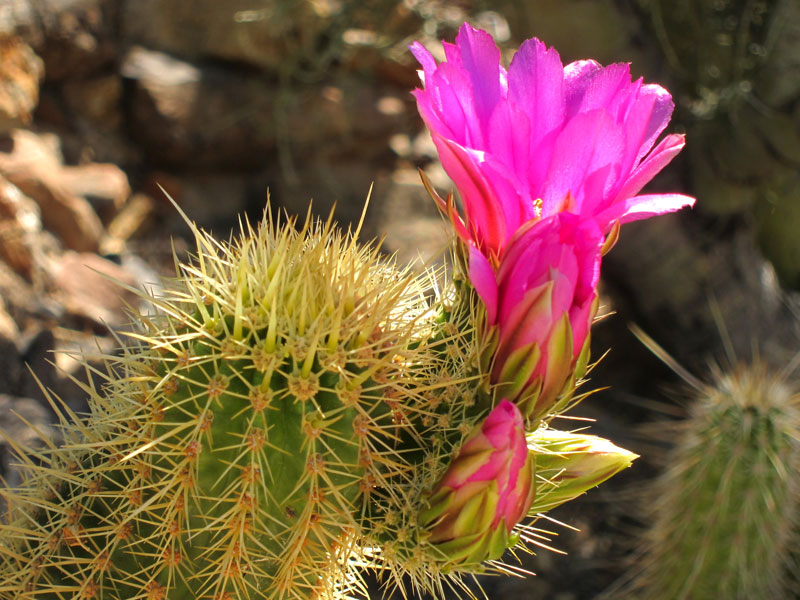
{"x": 238, "y": 447}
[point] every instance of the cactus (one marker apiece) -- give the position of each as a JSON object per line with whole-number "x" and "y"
{"x": 267, "y": 414}
{"x": 724, "y": 514}
{"x": 292, "y": 411}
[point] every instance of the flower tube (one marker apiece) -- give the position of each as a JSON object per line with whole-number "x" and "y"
{"x": 541, "y": 301}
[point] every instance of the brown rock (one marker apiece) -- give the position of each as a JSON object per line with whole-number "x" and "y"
{"x": 20, "y": 72}
{"x": 93, "y": 142}
{"x": 25, "y": 421}
{"x": 409, "y": 222}
{"x": 97, "y": 99}
{"x": 351, "y": 116}
{"x": 36, "y": 354}
{"x": 138, "y": 210}
{"x": 208, "y": 200}
{"x": 105, "y": 186}
{"x": 10, "y": 364}
{"x": 30, "y": 165}
{"x": 262, "y": 33}
{"x": 187, "y": 115}
{"x": 20, "y": 298}
{"x": 8, "y": 327}
{"x": 74, "y": 37}
{"x": 20, "y": 223}
{"x": 344, "y": 184}
{"x": 90, "y": 287}
{"x": 30, "y": 410}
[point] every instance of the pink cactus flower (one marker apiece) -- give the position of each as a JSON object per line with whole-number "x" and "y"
{"x": 486, "y": 491}
{"x": 542, "y": 138}
{"x": 542, "y": 301}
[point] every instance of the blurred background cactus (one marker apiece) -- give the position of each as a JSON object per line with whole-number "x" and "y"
{"x": 723, "y": 517}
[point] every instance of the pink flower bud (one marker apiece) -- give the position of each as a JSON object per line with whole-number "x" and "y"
{"x": 486, "y": 491}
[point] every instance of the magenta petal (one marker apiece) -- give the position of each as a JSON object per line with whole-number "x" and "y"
{"x": 455, "y": 107}
{"x": 577, "y": 77}
{"x": 659, "y": 116}
{"x": 424, "y": 57}
{"x": 504, "y": 431}
{"x": 480, "y": 57}
{"x": 515, "y": 207}
{"x": 659, "y": 158}
{"x": 637, "y": 121}
{"x": 501, "y": 424}
{"x": 605, "y": 86}
{"x": 509, "y": 139}
{"x": 483, "y": 213}
{"x": 588, "y": 242}
{"x": 541, "y": 138}
{"x": 580, "y": 318}
{"x": 483, "y": 280}
{"x": 589, "y": 142}
{"x": 644, "y": 207}
{"x": 535, "y": 86}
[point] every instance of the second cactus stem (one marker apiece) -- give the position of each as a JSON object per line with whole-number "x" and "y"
{"x": 724, "y": 516}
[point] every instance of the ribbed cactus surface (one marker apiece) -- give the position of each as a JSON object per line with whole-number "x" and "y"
{"x": 725, "y": 512}
{"x": 260, "y": 433}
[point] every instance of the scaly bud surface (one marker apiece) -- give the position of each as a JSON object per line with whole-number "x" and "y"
{"x": 485, "y": 492}
{"x": 542, "y": 302}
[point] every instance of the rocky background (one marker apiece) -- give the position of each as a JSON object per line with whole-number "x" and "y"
{"x": 109, "y": 106}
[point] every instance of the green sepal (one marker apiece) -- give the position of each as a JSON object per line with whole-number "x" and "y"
{"x": 478, "y": 512}
{"x": 468, "y": 551}
{"x": 583, "y": 358}
{"x": 436, "y": 506}
{"x": 499, "y": 541}
{"x": 489, "y": 350}
{"x": 516, "y": 372}
{"x": 557, "y": 370}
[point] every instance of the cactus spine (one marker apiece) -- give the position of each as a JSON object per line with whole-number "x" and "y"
{"x": 724, "y": 515}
